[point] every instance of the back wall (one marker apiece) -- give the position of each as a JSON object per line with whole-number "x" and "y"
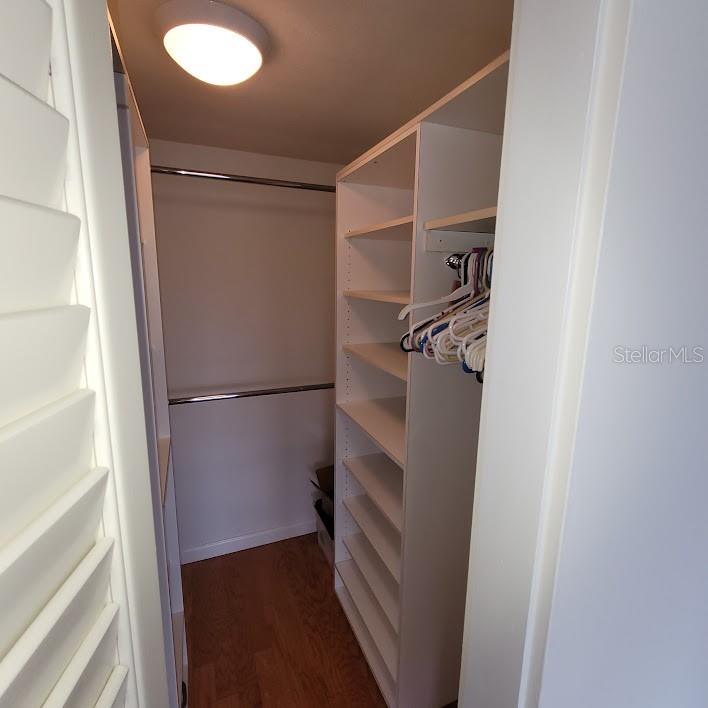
{"x": 247, "y": 287}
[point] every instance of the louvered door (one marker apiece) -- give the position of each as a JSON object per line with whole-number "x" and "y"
{"x": 62, "y": 562}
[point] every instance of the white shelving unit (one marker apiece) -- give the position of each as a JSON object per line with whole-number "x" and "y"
{"x": 407, "y": 428}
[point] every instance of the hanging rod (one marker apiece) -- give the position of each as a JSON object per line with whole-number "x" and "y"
{"x": 162, "y": 170}
{"x": 249, "y": 394}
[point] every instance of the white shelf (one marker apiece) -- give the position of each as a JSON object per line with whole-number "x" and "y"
{"x": 378, "y": 578}
{"x": 366, "y": 642}
{"x": 389, "y": 164}
{"x": 479, "y": 221}
{"x": 391, "y": 230}
{"x": 399, "y": 297}
{"x": 476, "y": 104}
{"x": 372, "y": 615}
{"x": 384, "y": 539}
{"x": 387, "y": 356}
{"x": 382, "y": 480}
{"x": 384, "y": 420}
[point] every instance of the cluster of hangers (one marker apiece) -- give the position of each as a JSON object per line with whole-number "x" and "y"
{"x": 457, "y": 334}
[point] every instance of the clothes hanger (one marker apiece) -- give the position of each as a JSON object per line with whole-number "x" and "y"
{"x": 468, "y": 285}
{"x": 406, "y": 342}
{"x": 458, "y": 334}
{"x": 464, "y": 338}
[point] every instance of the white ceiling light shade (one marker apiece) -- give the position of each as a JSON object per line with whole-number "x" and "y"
{"x": 212, "y": 41}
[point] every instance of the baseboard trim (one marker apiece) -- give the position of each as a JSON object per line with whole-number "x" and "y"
{"x": 241, "y": 543}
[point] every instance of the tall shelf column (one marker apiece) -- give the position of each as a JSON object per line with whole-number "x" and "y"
{"x": 407, "y": 428}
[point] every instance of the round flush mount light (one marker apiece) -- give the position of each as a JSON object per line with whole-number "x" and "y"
{"x": 212, "y": 41}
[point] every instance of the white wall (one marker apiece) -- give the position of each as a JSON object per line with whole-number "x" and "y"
{"x": 547, "y": 127}
{"x": 588, "y": 572}
{"x": 629, "y": 621}
{"x": 247, "y": 285}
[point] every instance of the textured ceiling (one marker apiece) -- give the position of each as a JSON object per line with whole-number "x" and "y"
{"x": 340, "y": 75}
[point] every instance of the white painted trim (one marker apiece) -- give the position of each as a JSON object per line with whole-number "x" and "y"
{"x": 251, "y": 540}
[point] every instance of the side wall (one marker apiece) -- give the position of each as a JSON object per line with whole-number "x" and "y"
{"x": 247, "y": 282}
{"x": 587, "y": 573}
{"x": 628, "y": 625}
{"x": 557, "y": 117}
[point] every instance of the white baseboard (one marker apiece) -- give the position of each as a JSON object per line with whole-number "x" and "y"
{"x": 241, "y": 543}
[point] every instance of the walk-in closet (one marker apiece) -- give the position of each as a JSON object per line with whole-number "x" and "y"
{"x": 314, "y": 329}
{"x": 352, "y": 354}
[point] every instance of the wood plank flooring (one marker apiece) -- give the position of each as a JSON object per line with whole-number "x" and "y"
{"x": 265, "y": 629}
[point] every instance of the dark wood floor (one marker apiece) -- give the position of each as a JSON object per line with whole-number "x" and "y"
{"x": 264, "y": 628}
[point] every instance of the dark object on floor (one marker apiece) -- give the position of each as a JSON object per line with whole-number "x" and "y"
{"x": 325, "y": 481}
{"x": 324, "y": 511}
{"x": 324, "y": 505}
{"x": 264, "y": 628}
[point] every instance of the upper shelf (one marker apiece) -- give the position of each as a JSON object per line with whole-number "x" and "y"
{"x": 477, "y": 221}
{"x": 388, "y": 165}
{"x": 476, "y": 104}
{"x": 399, "y": 297}
{"x": 391, "y": 230}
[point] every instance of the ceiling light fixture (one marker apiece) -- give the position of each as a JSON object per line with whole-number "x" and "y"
{"x": 212, "y": 41}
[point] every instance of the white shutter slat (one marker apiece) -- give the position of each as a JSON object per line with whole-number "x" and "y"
{"x": 47, "y": 551}
{"x": 45, "y": 360}
{"x": 88, "y": 672}
{"x": 113, "y": 695}
{"x": 41, "y": 456}
{"x": 34, "y": 664}
{"x": 33, "y": 138}
{"x": 60, "y": 640}
{"x": 24, "y": 51}
{"x": 39, "y": 251}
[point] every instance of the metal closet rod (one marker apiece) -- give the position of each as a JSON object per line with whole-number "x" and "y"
{"x": 162, "y": 170}
{"x": 248, "y": 394}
